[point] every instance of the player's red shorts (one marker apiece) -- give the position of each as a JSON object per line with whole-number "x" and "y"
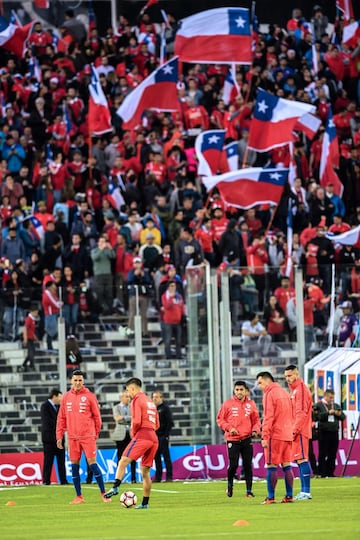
{"x": 300, "y": 447}
{"x": 76, "y": 446}
{"x": 278, "y": 452}
{"x": 142, "y": 448}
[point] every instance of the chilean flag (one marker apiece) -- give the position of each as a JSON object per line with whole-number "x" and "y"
{"x": 351, "y": 34}
{"x": 13, "y": 37}
{"x": 220, "y": 35}
{"x": 231, "y": 89}
{"x": 99, "y": 115}
{"x": 330, "y": 157}
{"x": 158, "y": 91}
{"x": 348, "y": 238}
{"x": 346, "y": 7}
{"x": 246, "y": 188}
{"x": 114, "y": 195}
{"x": 36, "y": 227}
{"x": 208, "y": 148}
{"x": 232, "y": 155}
{"x": 308, "y": 124}
{"x": 274, "y": 121}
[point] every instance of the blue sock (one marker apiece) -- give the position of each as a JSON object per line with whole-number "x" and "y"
{"x": 76, "y": 477}
{"x": 289, "y": 480}
{"x": 98, "y": 476}
{"x": 305, "y": 475}
{"x": 271, "y": 480}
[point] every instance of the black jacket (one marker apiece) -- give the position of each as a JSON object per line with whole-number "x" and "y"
{"x": 48, "y": 422}
{"x": 166, "y": 421}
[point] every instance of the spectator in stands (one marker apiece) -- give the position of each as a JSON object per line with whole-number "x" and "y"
{"x": 30, "y": 338}
{"x": 70, "y": 298}
{"x": 13, "y": 313}
{"x": 348, "y": 325}
{"x": 258, "y": 258}
{"x": 275, "y": 319}
{"x": 77, "y": 257}
{"x": 149, "y": 252}
{"x": 255, "y": 336}
{"x": 12, "y": 247}
{"x": 163, "y": 435}
{"x": 102, "y": 257}
{"x": 73, "y": 354}
{"x": 138, "y": 283}
{"x": 173, "y": 306}
{"x": 121, "y": 434}
{"x": 49, "y": 412}
{"x": 51, "y": 308}
{"x": 188, "y": 248}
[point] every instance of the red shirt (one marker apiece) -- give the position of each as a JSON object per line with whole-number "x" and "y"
{"x": 79, "y": 415}
{"x": 144, "y": 417}
{"x": 283, "y": 295}
{"x": 30, "y": 325}
{"x": 241, "y": 415}
{"x": 277, "y": 415}
{"x": 301, "y": 401}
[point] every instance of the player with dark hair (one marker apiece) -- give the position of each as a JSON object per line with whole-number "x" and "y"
{"x": 238, "y": 417}
{"x": 144, "y": 443}
{"x": 301, "y": 401}
{"x": 79, "y": 415}
{"x": 276, "y": 435}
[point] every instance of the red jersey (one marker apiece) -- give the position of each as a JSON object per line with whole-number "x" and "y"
{"x": 241, "y": 415}
{"x": 301, "y": 401}
{"x": 218, "y": 227}
{"x": 283, "y": 295}
{"x": 277, "y": 416}
{"x": 144, "y": 417}
{"x": 197, "y": 117}
{"x": 205, "y": 238}
{"x": 30, "y": 325}
{"x": 174, "y": 307}
{"x": 79, "y": 415}
{"x": 50, "y": 303}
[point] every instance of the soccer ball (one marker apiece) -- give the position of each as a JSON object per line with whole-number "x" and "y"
{"x": 128, "y": 499}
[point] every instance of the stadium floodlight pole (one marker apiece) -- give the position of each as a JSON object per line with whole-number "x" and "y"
{"x": 300, "y": 329}
{"x": 114, "y": 18}
{"x": 62, "y": 347}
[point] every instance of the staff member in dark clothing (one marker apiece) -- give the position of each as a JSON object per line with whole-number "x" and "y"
{"x": 48, "y": 412}
{"x": 163, "y": 433}
{"x": 329, "y": 415}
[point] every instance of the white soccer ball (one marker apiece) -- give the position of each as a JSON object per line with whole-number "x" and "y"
{"x": 128, "y": 499}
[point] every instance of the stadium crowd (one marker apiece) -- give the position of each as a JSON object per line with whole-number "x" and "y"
{"x": 102, "y": 254}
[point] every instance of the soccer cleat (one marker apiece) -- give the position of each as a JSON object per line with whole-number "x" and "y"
{"x": 113, "y": 491}
{"x": 249, "y": 495}
{"x": 142, "y": 507}
{"x": 229, "y": 491}
{"x": 79, "y": 499}
{"x": 268, "y": 501}
{"x": 105, "y": 500}
{"x": 302, "y": 496}
{"x": 287, "y": 499}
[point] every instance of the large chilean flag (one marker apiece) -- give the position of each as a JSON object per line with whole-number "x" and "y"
{"x": 246, "y": 188}
{"x": 158, "y": 91}
{"x": 274, "y": 121}
{"x": 216, "y": 35}
{"x": 13, "y": 37}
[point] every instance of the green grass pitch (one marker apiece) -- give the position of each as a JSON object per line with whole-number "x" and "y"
{"x": 180, "y": 510}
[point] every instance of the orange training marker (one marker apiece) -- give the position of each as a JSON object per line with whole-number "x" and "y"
{"x": 241, "y": 523}
{"x": 10, "y": 503}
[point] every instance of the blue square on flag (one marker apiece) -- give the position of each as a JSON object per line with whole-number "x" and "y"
{"x": 274, "y": 177}
{"x": 264, "y": 106}
{"x": 239, "y": 23}
{"x": 168, "y": 72}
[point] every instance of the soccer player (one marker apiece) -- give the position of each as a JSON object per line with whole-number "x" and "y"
{"x": 238, "y": 417}
{"x": 277, "y": 435}
{"x": 79, "y": 415}
{"x": 144, "y": 444}
{"x": 301, "y": 401}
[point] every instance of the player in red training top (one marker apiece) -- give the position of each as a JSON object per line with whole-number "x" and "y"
{"x": 276, "y": 435}
{"x": 144, "y": 443}
{"x": 239, "y": 419}
{"x": 301, "y": 401}
{"x": 79, "y": 415}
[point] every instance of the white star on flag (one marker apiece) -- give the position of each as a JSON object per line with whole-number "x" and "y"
{"x": 168, "y": 69}
{"x": 240, "y": 22}
{"x": 231, "y": 151}
{"x": 331, "y": 124}
{"x": 213, "y": 139}
{"x": 275, "y": 176}
{"x": 262, "y": 106}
